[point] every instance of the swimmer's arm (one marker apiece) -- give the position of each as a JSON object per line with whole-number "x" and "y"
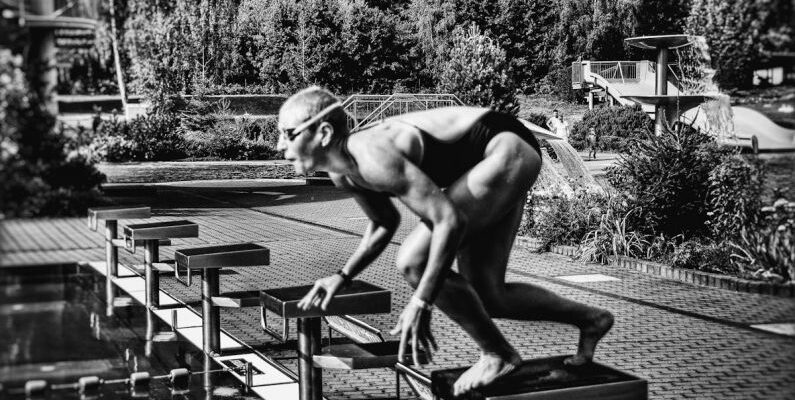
{"x": 416, "y": 190}
{"x": 384, "y": 221}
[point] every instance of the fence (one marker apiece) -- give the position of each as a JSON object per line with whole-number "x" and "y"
{"x": 618, "y": 70}
{"x": 366, "y": 108}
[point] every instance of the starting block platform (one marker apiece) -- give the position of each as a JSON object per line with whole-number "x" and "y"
{"x": 270, "y": 379}
{"x": 549, "y": 379}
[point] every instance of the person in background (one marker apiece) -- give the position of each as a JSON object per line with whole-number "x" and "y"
{"x": 555, "y": 123}
{"x": 592, "y": 141}
{"x": 563, "y": 128}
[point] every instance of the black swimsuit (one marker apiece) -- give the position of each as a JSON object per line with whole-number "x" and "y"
{"x": 444, "y": 162}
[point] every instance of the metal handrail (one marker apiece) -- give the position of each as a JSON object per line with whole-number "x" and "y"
{"x": 376, "y": 107}
{"x": 616, "y": 70}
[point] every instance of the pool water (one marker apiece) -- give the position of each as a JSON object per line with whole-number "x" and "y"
{"x": 53, "y": 327}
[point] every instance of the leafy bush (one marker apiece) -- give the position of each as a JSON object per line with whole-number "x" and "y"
{"x": 558, "y": 84}
{"x": 564, "y": 220}
{"x": 735, "y": 186}
{"x": 616, "y": 127}
{"x": 613, "y": 234}
{"x": 704, "y": 256}
{"x": 538, "y": 119}
{"x": 178, "y": 129}
{"x": 41, "y": 172}
{"x": 233, "y": 140}
{"x": 768, "y": 247}
{"x": 667, "y": 178}
{"x": 153, "y": 137}
{"x": 476, "y": 70}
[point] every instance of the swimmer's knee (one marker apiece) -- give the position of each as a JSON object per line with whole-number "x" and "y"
{"x": 411, "y": 267}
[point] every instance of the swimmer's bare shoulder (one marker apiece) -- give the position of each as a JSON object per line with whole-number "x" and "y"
{"x": 381, "y": 154}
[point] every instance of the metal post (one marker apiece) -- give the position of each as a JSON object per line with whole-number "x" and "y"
{"x": 661, "y": 88}
{"x": 317, "y": 375}
{"x": 662, "y": 71}
{"x": 151, "y": 249}
{"x": 211, "y": 326}
{"x": 310, "y": 379}
{"x": 111, "y": 264}
{"x": 41, "y": 54}
{"x": 208, "y": 377}
{"x": 151, "y": 256}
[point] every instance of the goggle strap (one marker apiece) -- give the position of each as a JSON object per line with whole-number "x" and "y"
{"x": 316, "y": 117}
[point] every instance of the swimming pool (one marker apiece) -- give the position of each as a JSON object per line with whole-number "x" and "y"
{"x": 55, "y": 329}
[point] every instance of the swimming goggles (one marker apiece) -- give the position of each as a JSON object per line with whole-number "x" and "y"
{"x": 292, "y": 133}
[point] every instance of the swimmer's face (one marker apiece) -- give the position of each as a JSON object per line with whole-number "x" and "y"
{"x": 302, "y": 148}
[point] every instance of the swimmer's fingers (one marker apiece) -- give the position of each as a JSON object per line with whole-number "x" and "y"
{"x": 415, "y": 341}
{"x": 309, "y": 299}
{"x": 429, "y": 333}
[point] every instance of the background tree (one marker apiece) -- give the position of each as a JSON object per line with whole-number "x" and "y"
{"x": 476, "y": 70}
{"x": 374, "y": 57}
{"x": 739, "y": 34}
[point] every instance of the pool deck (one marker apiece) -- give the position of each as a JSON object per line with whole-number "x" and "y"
{"x": 687, "y": 341}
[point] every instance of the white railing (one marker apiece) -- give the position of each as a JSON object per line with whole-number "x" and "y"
{"x": 366, "y": 108}
{"x": 619, "y": 71}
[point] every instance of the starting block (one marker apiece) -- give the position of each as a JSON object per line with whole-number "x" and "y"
{"x": 548, "y": 379}
{"x": 150, "y": 235}
{"x": 358, "y": 298}
{"x": 209, "y": 260}
{"x": 111, "y": 215}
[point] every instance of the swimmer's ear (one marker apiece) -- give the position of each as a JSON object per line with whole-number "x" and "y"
{"x": 327, "y": 131}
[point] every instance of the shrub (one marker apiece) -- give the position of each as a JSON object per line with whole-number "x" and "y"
{"x": 767, "y": 248}
{"x": 232, "y": 139}
{"x": 617, "y": 127}
{"x": 538, "y": 119}
{"x": 735, "y": 186}
{"x": 558, "y": 83}
{"x": 667, "y": 178}
{"x": 476, "y": 70}
{"x": 41, "y": 172}
{"x": 176, "y": 129}
{"x": 704, "y": 256}
{"x": 153, "y": 137}
{"x": 613, "y": 234}
{"x": 528, "y": 215}
{"x": 564, "y": 220}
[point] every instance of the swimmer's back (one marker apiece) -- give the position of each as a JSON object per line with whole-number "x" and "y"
{"x": 446, "y": 124}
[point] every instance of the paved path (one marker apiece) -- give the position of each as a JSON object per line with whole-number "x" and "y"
{"x": 688, "y": 341}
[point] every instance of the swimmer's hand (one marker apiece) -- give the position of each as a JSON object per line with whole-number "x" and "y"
{"x": 414, "y": 325}
{"x": 321, "y": 293}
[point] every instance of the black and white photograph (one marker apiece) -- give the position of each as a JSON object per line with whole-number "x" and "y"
{"x": 406, "y": 199}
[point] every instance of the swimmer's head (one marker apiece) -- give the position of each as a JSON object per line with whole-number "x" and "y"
{"x": 307, "y": 104}
{"x": 310, "y": 122}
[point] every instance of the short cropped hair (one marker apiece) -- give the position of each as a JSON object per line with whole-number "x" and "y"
{"x": 314, "y": 99}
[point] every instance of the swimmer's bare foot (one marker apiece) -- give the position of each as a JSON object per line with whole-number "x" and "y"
{"x": 590, "y": 335}
{"x": 486, "y": 370}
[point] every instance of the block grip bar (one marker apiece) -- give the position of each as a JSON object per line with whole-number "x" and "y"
{"x": 188, "y": 280}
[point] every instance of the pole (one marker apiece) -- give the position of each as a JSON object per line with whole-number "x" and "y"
{"x": 152, "y": 282}
{"x": 116, "y": 59}
{"x": 310, "y": 379}
{"x": 211, "y": 326}
{"x": 111, "y": 264}
{"x": 41, "y": 57}
{"x": 661, "y": 88}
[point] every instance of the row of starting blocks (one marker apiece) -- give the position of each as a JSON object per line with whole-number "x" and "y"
{"x": 535, "y": 379}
